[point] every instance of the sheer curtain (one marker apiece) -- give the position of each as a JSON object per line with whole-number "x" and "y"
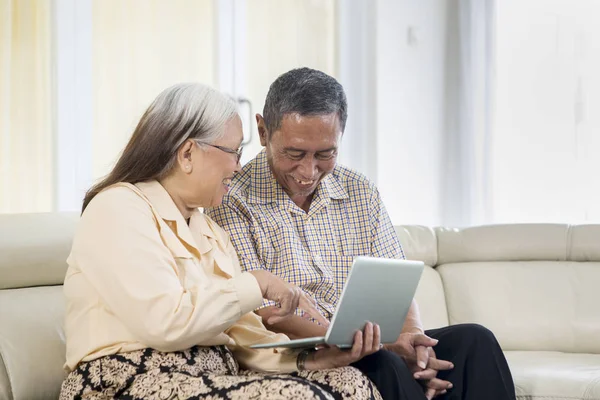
{"x": 26, "y": 161}
{"x": 470, "y": 83}
{"x": 547, "y": 129}
{"x": 282, "y": 35}
{"x": 139, "y": 48}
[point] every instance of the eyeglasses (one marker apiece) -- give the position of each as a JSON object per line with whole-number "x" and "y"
{"x": 237, "y": 152}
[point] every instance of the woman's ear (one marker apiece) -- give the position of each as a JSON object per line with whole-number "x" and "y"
{"x": 185, "y": 155}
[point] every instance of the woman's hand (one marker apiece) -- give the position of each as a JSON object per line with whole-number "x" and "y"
{"x": 365, "y": 343}
{"x": 287, "y": 296}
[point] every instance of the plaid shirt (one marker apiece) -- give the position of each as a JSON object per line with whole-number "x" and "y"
{"x": 313, "y": 251}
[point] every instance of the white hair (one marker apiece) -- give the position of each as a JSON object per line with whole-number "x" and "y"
{"x": 196, "y": 109}
{"x": 181, "y": 112}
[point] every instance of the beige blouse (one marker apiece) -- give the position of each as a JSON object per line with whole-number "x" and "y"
{"x": 140, "y": 277}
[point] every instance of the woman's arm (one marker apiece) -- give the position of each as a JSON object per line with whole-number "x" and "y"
{"x": 118, "y": 248}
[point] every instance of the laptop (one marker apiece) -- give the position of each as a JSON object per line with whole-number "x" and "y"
{"x": 379, "y": 290}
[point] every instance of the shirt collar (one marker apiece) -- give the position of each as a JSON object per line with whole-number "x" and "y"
{"x": 265, "y": 189}
{"x": 168, "y": 211}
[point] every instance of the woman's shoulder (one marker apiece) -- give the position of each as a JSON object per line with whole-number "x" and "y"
{"x": 122, "y": 197}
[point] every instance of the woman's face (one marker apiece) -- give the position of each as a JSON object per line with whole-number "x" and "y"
{"x": 213, "y": 168}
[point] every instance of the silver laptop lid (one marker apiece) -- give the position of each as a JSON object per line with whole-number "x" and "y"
{"x": 379, "y": 290}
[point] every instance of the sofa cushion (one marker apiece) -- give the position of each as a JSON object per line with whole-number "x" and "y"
{"x": 431, "y": 301}
{"x": 34, "y": 248}
{"x": 420, "y": 243}
{"x": 584, "y": 244}
{"x": 535, "y": 305}
{"x": 32, "y": 343}
{"x": 514, "y": 242}
{"x": 555, "y": 376}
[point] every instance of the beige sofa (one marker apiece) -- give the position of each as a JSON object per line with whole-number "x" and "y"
{"x": 535, "y": 286}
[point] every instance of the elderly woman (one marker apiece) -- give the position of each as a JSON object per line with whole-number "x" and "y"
{"x": 157, "y": 307}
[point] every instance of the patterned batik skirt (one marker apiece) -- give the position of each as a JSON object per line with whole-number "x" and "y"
{"x": 205, "y": 373}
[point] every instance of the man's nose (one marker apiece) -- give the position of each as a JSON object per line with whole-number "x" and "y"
{"x": 308, "y": 167}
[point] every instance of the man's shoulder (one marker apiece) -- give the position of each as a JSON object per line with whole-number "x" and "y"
{"x": 236, "y": 199}
{"x": 354, "y": 182}
{"x": 240, "y": 184}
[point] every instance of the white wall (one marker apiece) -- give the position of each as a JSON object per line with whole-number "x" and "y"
{"x": 411, "y": 78}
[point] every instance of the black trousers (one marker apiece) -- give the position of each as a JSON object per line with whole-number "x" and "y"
{"x": 480, "y": 369}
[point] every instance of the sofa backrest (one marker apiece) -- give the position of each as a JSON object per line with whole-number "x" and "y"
{"x": 420, "y": 243}
{"x": 33, "y": 250}
{"x": 534, "y": 285}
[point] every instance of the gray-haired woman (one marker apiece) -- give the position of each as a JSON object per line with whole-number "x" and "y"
{"x": 157, "y": 306}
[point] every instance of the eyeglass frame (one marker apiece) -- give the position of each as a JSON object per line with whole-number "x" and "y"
{"x": 237, "y": 152}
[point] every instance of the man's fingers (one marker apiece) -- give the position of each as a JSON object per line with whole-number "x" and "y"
{"x": 438, "y": 384}
{"x": 423, "y": 340}
{"x": 426, "y": 374}
{"x": 376, "y": 338}
{"x": 430, "y": 394}
{"x": 422, "y": 356}
{"x": 367, "y": 338}
{"x": 357, "y": 345}
{"x": 440, "y": 365}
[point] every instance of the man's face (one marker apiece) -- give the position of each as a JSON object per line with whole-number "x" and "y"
{"x": 302, "y": 151}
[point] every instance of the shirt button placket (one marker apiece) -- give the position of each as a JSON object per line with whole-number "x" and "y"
{"x": 313, "y": 244}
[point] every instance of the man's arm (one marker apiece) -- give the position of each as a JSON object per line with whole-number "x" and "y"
{"x": 385, "y": 243}
{"x": 413, "y": 324}
{"x": 295, "y": 327}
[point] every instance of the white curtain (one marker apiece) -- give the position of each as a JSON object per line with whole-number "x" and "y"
{"x": 277, "y": 42}
{"x": 469, "y": 98}
{"x": 547, "y": 128}
{"x": 26, "y": 162}
{"x": 141, "y": 47}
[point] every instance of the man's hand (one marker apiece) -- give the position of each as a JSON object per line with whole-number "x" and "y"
{"x": 364, "y": 344}
{"x": 413, "y": 348}
{"x": 417, "y": 351}
{"x": 428, "y": 377}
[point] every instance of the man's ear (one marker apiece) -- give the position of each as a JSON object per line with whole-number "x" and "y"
{"x": 263, "y": 133}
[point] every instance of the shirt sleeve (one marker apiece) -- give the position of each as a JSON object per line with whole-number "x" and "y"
{"x": 119, "y": 250}
{"x": 250, "y": 330}
{"x": 384, "y": 240}
{"x": 234, "y": 217}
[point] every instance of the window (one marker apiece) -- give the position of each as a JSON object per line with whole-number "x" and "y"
{"x": 140, "y": 48}
{"x": 276, "y": 43}
{"x": 26, "y": 141}
{"x": 547, "y": 130}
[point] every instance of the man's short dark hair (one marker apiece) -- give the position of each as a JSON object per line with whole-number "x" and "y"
{"x": 307, "y": 92}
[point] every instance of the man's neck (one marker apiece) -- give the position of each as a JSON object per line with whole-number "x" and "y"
{"x": 303, "y": 202}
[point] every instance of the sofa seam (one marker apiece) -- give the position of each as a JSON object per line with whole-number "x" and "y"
{"x": 437, "y": 260}
{"x": 590, "y": 387}
{"x": 569, "y": 243}
{"x": 10, "y": 388}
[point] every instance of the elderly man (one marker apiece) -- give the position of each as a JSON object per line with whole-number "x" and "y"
{"x": 295, "y": 212}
